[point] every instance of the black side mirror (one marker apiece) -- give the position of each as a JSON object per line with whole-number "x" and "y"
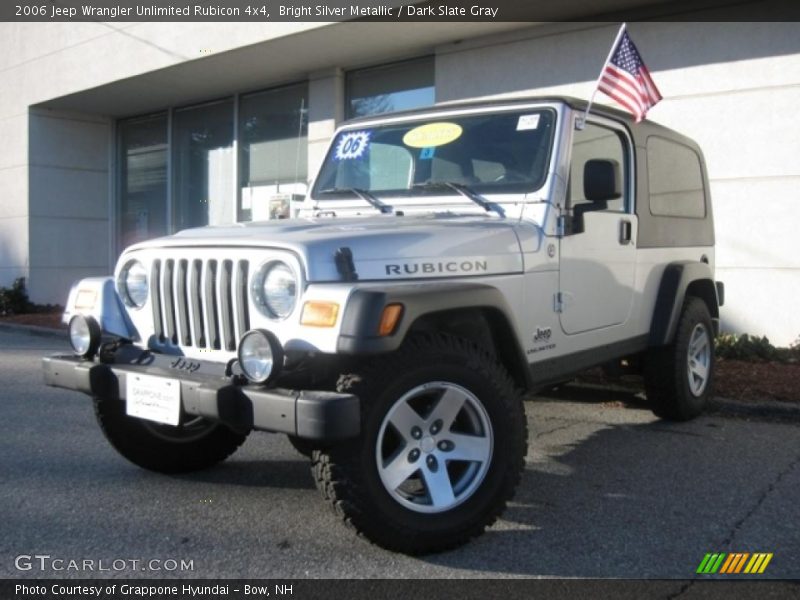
{"x": 601, "y": 180}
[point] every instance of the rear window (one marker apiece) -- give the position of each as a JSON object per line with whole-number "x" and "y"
{"x": 675, "y": 179}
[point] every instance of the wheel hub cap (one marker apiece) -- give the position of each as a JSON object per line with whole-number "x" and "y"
{"x": 698, "y": 359}
{"x": 434, "y": 447}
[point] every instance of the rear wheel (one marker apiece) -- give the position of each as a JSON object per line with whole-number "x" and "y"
{"x": 679, "y": 378}
{"x": 441, "y": 451}
{"x": 194, "y": 444}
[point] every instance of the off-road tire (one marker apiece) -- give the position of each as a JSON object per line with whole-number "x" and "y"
{"x": 347, "y": 473}
{"x": 141, "y": 443}
{"x": 666, "y": 368}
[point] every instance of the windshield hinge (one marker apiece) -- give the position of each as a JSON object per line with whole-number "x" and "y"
{"x": 344, "y": 264}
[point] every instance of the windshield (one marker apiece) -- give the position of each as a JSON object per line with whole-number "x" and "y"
{"x": 489, "y": 153}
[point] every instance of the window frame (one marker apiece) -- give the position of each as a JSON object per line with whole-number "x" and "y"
{"x": 629, "y": 166}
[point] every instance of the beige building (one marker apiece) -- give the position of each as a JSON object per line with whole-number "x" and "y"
{"x": 118, "y": 132}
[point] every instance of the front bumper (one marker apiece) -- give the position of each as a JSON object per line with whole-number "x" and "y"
{"x": 313, "y": 415}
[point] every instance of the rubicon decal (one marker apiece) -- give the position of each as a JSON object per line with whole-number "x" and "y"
{"x": 453, "y": 266}
{"x": 734, "y": 563}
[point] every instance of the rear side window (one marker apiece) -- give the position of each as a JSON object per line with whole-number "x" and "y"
{"x": 675, "y": 179}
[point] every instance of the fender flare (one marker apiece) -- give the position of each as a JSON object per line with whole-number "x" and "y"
{"x": 359, "y": 330}
{"x": 675, "y": 282}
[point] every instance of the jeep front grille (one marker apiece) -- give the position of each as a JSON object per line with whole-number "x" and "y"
{"x": 200, "y": 303}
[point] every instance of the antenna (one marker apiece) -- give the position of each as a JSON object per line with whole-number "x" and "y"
{"x": 299, "y": 136}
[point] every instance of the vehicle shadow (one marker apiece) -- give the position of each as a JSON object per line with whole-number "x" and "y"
{"x": 620, "y": 394}
{"x": 290, "y": 474}
{"x": 606, "y": 498}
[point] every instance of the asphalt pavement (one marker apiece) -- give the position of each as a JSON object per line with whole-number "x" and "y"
{"x": 608, "y": 491}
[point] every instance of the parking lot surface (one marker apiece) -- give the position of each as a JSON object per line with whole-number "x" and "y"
{"x": 609, "y": 491}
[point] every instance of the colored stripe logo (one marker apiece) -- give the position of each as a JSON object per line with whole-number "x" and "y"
{"x": 734, "y": 563}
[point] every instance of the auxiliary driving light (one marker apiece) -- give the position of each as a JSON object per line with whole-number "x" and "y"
{"x": 260, "y": 355}
{"x": 84, "y": 335}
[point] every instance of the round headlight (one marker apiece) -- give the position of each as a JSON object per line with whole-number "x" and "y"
{"x": 260, "y": 355}
{"x": 84, "y": 335}
{"x": 133, "y": 285}
{"x": 278, "y": 290}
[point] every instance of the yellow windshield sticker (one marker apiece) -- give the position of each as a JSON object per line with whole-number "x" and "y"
{"x": 432, "y": 135}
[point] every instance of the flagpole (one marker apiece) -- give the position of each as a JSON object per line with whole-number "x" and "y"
{"x": 581, "y": 122}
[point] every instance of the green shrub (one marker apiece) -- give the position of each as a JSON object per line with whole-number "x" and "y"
{"x": 14, "y": 300}
{"x": 754, "y": 349}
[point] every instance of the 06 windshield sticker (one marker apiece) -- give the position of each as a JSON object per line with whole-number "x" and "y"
{"x": 432, "y": 135}
{"x": 352, "y": 145}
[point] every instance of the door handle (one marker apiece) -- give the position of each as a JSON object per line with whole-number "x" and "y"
{"x": 625, "y": 232}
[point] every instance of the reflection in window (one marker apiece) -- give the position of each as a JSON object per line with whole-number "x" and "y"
{"x": 273, "y": 159}
{"x": 202, "y": 154}
{"x": 389, "y": 88}
{"x": 143, "y": 179}
{"x": 676, "y": 180}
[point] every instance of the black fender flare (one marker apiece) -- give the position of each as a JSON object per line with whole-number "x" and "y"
{"x": 677, "y": 279}
{"x": 359, "y": 330}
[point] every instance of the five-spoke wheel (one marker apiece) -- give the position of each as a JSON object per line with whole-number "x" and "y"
{"x": 434, "y": 447}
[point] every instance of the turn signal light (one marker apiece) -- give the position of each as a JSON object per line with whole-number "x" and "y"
{"x": 389, "y": 319}
{"x": 319, "y": 314}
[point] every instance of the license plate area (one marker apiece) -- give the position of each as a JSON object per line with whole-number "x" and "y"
{"x": 153, "y": 398}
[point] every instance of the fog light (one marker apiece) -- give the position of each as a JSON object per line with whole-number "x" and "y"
{"x": 260, "y": 355}
{"x": 84, "y": 335}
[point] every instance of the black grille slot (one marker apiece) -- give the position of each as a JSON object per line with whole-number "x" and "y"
{"x": 211, "y": 304}
{"x": 155, "y": 287}
{"x": 182, "y": 302}
{"x": 226, "y": 305}
{"x": 240, "y": 298}
{"x": 196, "y": 300}
{"x": 169, "y": 301}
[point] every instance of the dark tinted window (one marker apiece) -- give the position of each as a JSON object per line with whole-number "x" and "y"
{"x": 675, "y": 180}
{"x": 591, "y": 143}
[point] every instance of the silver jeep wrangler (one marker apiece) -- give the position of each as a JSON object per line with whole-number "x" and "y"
{"x": 445, "y": 263}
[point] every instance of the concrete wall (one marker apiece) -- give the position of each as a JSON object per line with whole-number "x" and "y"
{"x": 70, "y": 206}
{"x": 733, "y": 87}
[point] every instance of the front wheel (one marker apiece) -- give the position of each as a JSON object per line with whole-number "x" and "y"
{"x": 441, "y": 452}
{"x": 194, "y": 444}
{"x": 679, "y": 378}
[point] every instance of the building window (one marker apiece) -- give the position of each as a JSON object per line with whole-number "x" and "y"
{"x": 142, "y": 179}
{"x": 398, "y": 86}
{"x": 273, "y": 150}
{"x": 202, "y": 165}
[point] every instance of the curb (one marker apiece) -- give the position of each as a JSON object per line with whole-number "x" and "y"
{"x": 766, "y": 409}
{"x": 719, "y": 406}
{"x": 34, "y": 330}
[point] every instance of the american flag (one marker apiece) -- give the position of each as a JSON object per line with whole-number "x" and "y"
{"x": 626, "y": 79}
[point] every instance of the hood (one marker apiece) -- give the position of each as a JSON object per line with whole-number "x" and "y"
{"x": 383, "y": 247}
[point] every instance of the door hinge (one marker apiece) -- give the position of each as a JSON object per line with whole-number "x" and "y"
{"x": 561, "y": 226}
{"x": 558, "y": 302}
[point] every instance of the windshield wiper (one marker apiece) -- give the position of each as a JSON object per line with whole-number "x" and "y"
{"x": 465, "y": 191}
{"x": 364, "y": 195}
